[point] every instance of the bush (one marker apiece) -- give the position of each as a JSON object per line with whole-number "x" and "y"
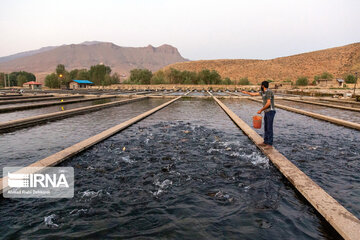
{"x": 158, "y": 78}
{"x": 244, "y": 81}
{"x": 189, "y": 77}
{"x": 326, "y": 75}
{"x": 140, "y": 76}
{"x": 209, "y": 77}
{"x": 302, "y": 81}
{"x": 226, "y": 81}
{"x": 52, "y": 81}
{"x": 350, "y": 78}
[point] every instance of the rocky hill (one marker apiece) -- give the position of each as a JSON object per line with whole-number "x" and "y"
{"x": 338, "y": 61}
{"x": 120, "y": 59}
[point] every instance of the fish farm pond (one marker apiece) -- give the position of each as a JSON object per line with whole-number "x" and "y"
{"x": 184, "y": 172}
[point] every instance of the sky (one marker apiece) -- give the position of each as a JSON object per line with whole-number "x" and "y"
{"x": 200, "y": 29}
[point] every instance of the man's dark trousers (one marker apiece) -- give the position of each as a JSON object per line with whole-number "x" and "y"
{"x": 269, "y": 121}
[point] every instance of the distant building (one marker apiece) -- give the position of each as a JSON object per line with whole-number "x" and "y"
{"x": 340, "y": 82}
{"x": 32, "y": 85}
{"x": 324, "y": 82}
{"x": 75, "y": 84}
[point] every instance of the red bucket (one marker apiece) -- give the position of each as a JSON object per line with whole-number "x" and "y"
{"x": 257, "y": 121}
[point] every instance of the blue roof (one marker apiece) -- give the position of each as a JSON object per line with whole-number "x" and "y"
{"x": 83, "y": 81}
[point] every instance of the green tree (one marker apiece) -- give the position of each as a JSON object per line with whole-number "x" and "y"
{"x": 350, "y": 78}
{"x": 60, "y": 69}
{"x": 189, "y": 77}
{"x": 158, "y": 78}
{"x": 21, "y": 79}
{"x": 97, "y": 73}
{"x": 140, "y": 76}
{"x": 115, "y": 78}
{"x": 13, "y": 77}
{"x": 326, "y": 75}
{"x": 244, "y": 81}
{"x": 83, "y": 74}
{"x": 209, "y": 77}
{"x": 227, "y": 81}
{"x": 302, "y": 81}
{"x": 52, "y": 81}
{"x": 73, "y": 74}
{"x": 174, "y": 76}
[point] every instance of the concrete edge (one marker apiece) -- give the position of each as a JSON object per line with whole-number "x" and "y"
{"x": 323, "y": 104}
{"x": 40, "y": 105}
{"x": 68, "y": 152}
{"x": 344, "y": 222}
{"x": 338, "y": 101}
{"x": 337, "y": 121}
{"x": 25, "y": 97}
{"x": 4, "y": 102}
{"x": 26, "y": 122}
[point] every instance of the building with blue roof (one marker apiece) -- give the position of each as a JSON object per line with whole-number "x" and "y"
{"x": 75, "y": 84}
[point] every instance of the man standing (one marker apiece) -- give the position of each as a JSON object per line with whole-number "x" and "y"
{"x": 269, "y": 109}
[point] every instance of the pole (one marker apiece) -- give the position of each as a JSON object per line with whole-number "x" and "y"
{"x": 356, "y": 78}
{"x": 5, "y": 79}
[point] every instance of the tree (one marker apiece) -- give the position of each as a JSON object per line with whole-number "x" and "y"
{"x": 326, "y": 75}
{"x": 73, "y": 74}
{"x": 83, "y": 74}
{"x": 189, "y": 77}
{"x": 227, "y": 81}
{"x": 174, "y": 76}
{"x": 52, "y": 81}
{"x": 97, "y": 73}
{"x": 115, "y": 78}
{"x": 244, "y": 81}
{"x": 60, "y": 69}
{"x": 21, "y": 79}
{"x": 158, "y": 78}
{"x": 350, "y": 78}
{"x": 209, "y": 77}
{"x": 140, "y": 76}
{"x": 27, "y": 77}
{"x": 302, "y": 81}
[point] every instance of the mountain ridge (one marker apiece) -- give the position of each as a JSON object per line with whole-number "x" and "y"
{"x": 337, "y": 61}
{"x": 86, "y": 54}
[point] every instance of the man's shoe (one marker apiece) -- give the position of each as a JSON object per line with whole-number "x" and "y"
{"x": 265, "y": 145}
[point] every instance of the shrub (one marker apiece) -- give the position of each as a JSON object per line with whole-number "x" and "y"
{"x": 140, "y": 76}
{"x": 158, "y": 78}
{"x": 52, "y": 81}
{"x": 226, "y": 81}
{"x": 326, "y": 75}
{"x": 350, "y": 78}
{"x": 302, "y": 81}
{"x": 244, "y": 81}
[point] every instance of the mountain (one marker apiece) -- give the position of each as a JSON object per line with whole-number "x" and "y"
{"x": 338, "y": 61}
{"x": 25, "y": 54}
{"x": 84, "y": 55}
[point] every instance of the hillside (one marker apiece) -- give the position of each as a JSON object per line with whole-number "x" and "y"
{"x": 120, "y": 59}
{"x": 338, "y": 61}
